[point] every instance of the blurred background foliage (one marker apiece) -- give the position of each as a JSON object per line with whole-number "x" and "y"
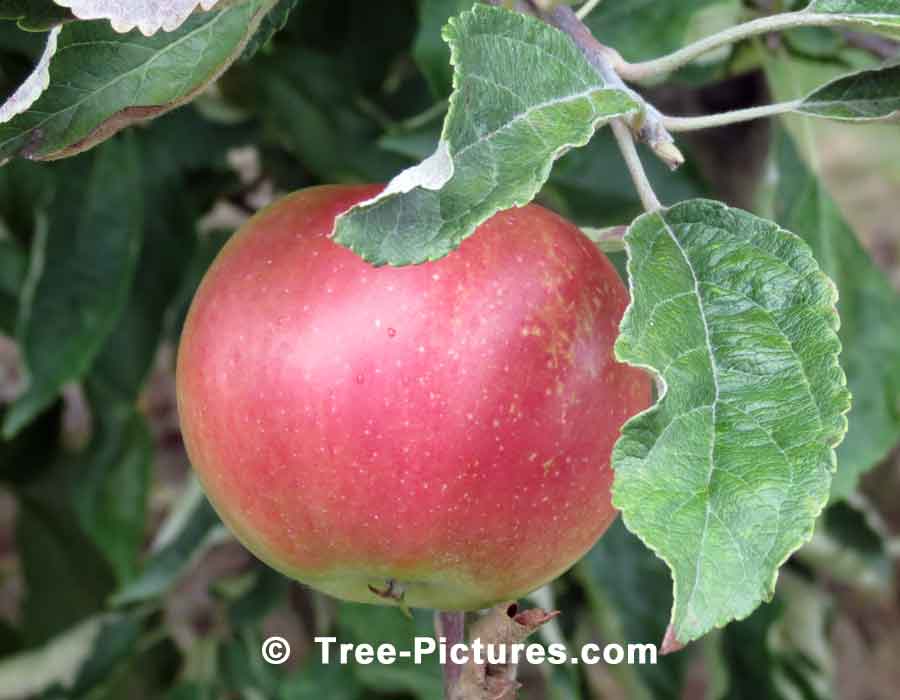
{"x": 116, "y": 577}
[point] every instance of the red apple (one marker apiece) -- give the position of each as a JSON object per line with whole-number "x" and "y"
{"x": 445, "y": 427}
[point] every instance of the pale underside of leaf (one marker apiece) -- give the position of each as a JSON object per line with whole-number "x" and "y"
{"x": 31, "y": 672}
{"x": 524, "y": 94}
{"x": 868, "y": 95}
{"x": 724, "y": 477}
{"x": 148, "y": 16}
{"x": 35, "y": 84}
{"x": 881, "y": 16}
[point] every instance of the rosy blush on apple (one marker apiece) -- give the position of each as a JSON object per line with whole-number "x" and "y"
{"x": 440, "y": 431}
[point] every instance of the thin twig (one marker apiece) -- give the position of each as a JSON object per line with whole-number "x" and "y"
{"x": 438, "y": 109}
{"x": 763, "y": 25}
{"x": 625, "y": 140}
{"x": 587, "y": 8}
{"x": 710, "y": 121}
{"x": 452, "y": 627}
{"x": 647, "y": 124}
{"x": 879, "y": 46}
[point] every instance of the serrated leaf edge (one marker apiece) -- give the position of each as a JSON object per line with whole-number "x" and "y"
{"x": 450, "y": 35}
{"x": 662, "y": 388}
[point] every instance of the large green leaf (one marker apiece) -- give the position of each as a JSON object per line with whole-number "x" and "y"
{"x": 870, "y": 315}
{"x": 506, "y": 125}
{"x": 102, "y": 81}
{"x": 725, "y": 476}
{"x": 82, "y": 264}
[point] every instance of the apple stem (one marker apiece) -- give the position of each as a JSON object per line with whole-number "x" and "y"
{"x": 451, "y": 625}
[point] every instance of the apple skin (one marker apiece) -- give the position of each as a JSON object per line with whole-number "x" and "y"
{"x": 446, "y": 426}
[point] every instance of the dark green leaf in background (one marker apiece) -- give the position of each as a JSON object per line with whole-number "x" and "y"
{"x": 82, "y": 265}
{"x": 781, "y": 651}
{"x": 34, "y": 15}
{"x": 641, "y": 30}
{"x": 630, "y": 593}
{"x": 187, "y": 530}
{"x": 430, "y": 50}
{"x": 870, "y": 315}
{"x": 273, "y": 22}
{"x": 376, "y": 625}
{"x": 110, "y": 493}
{"x": 13, "y": 265}
{"x": 66, "y": 577}
{"x": 183, "y": 169}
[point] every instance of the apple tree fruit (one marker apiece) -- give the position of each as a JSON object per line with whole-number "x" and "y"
{"x": 442, "y": 431}
{"x": 436, "y": 392}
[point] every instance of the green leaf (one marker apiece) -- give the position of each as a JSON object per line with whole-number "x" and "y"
{"x": 725, "y": 476}
{"x": 241, "y": 668}
{"x": 505, "y": 127}
{"x": 82, "y": 266}
{"x": 34, "y": 15}
{"x": 13, "y": 264}
{"x": 29, "y": 455}
{"x": 307, "y": 102}
{"x": 847, "y": 549}
{"x": 183, "y": 168}
{"x": 869, "y": 308}
{"x": 882, "y": 16}
{"x": 864, "y": 96}
{"x": 116, "y": 641}
{"x": 268, "y": 590}
{"x": 182, "y": 538}
{"x": 273, "y": 22}
{"x": 102, "y": 81}
{"x": 629, "y": 591}
{"x": 782, "y": 651}
{"x": 591, "y": 188}
{"x": 315, "y": 681}
{"x": 110, "y": 494}
{"x": 376, "y": 625}
{"x": 641, "y": 30}
{"x": 65, "y": 576}
{"x": 430, "y": 51}
{"x": 57, "y": 662}
{"x": 207, "y": 249}
{"x": 26, "y": 193}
